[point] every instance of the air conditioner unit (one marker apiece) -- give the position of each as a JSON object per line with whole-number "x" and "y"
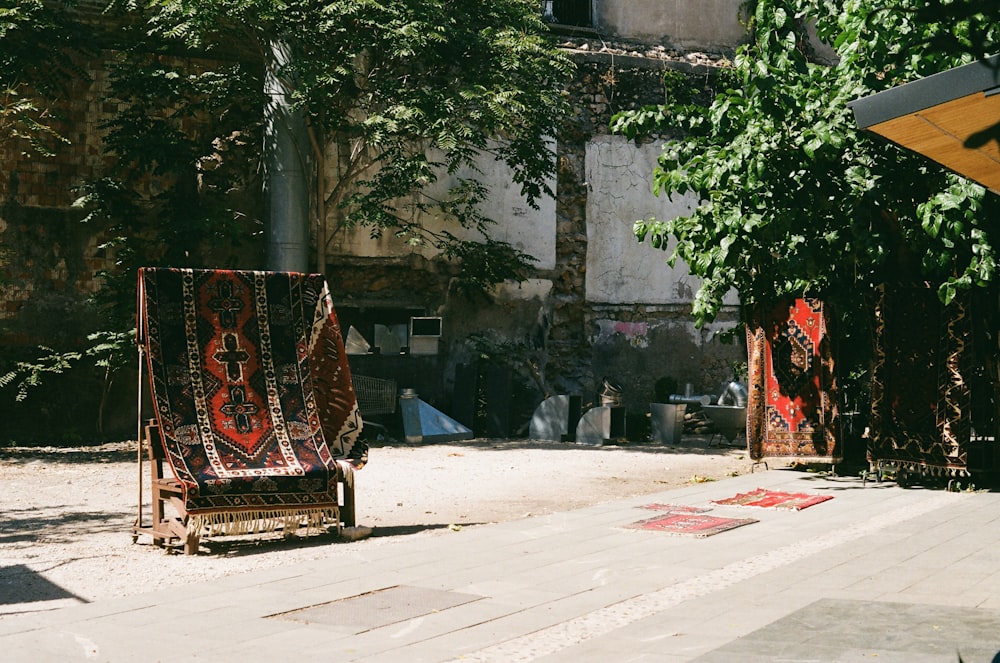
{"x": 425, "y": 334}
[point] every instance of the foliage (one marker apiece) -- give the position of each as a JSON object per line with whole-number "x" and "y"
{"x": 396, "y": 95}
{"x": 525, "y": 364}
{"x": 111, "y": 351}
{"x": 184, "y": 185}
{"x": 29, "y": 374}
{"x": 796, "y": 200}
{"x": 36, "y": 63}
{"x": 948, "y": 27}
{"x": 108, "y": 353}
{"x": 402, "y": 92}
{"x": 522, "y": 357}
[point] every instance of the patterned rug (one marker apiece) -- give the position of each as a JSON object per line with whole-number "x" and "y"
{"x": 252, "y": 393}
{"x": 792, "y": 405}
{"x": 691, "y": 524}
{"x": 675, "y": 508}
{"x": 922, "y": 372}
{"x": 773, "y": 499}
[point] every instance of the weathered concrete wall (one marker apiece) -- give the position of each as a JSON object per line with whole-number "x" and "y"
{"x": 601, "y": 304}
{"x": 617, "y": 305}
{"x": 620, "y": 270}
{"x": 526, "y": 228}
{"x": 709, "y": 25}
{"x": 639, "y": 306}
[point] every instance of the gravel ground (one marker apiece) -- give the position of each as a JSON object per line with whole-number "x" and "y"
{"x": 65, "y": 534}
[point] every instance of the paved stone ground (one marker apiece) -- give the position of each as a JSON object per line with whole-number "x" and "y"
{"x": 66, "y": 514}
{"x": 878, "y": 572}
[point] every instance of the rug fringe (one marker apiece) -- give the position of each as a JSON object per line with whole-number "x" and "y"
{"x": 922, "y": 469}
{"x": 799, "y": 460}
{"x": 288, "y": 521}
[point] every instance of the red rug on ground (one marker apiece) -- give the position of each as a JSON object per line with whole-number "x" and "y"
{"x": 251, "y": 388}
{"x": 773, "y": 499}
{"x": 675, "y": 508}
{"x": 691, "y": 524}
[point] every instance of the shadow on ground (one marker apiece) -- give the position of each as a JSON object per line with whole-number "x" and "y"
{"x": 57, "y": 524}
{"x": 239, "y": 546}
{"x": 21, "y": 584}
{"x": 689, "y": 444}
{"x": 117, "y": 452}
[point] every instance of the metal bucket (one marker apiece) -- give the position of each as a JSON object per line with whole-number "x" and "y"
{"x": 667, "y": 422}
{"x": 611, "y": 393}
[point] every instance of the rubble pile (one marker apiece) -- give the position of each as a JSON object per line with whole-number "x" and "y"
{"x": 641, "y": 50}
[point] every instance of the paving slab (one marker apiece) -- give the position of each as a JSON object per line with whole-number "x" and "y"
{"x": 844, "y": 629}
{"x": 878, "y": 572}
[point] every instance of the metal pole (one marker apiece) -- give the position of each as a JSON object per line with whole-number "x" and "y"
{"x": 138, "y": 437}
{"x": 286, "y": 149}
{"x": 140, "y": 310}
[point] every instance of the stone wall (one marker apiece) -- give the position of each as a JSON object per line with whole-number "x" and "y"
{"x": 48, "y": 260}
{"x": 600, "y": 304}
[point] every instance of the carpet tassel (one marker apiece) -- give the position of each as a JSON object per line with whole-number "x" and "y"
{"x": 287, "y": 521}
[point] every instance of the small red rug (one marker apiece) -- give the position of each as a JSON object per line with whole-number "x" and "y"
{"x": 676, "y": 508}
{"x": 773, "y": 499}
{"x": 691, "y": 524}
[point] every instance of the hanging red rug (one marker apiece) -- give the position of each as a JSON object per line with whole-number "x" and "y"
{"x": 792, "y": 402}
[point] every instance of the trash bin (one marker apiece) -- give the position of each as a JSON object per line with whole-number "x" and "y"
{"x": 667, "y": 422}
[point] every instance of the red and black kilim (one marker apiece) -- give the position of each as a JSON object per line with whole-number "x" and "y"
{"x": 251, "y": 387}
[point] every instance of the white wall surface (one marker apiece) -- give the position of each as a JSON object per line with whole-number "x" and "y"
{"x": 530, "y": 230}
{"x": 620, "y": 270}
{"x": 711, "y": 25}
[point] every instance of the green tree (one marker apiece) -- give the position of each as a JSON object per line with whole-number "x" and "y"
{"x": 40, "y": 40}
{"x": 399, "y": 93}
{"x": 794, "y": 199}
{"x": 948, "y": 27}
{"x": 395, "y": 95}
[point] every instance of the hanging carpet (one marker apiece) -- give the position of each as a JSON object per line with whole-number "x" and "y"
{"x": 252, "y": 393}
{"x": 921, "y": 376}
{"x": 792, "y": 403}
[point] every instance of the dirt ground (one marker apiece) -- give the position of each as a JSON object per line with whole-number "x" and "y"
{"x": 66, "y": 514}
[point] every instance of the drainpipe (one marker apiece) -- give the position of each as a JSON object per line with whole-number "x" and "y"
{"x": 286, "y": 167}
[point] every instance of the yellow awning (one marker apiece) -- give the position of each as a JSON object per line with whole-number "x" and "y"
{"x": 952, "y": 117}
